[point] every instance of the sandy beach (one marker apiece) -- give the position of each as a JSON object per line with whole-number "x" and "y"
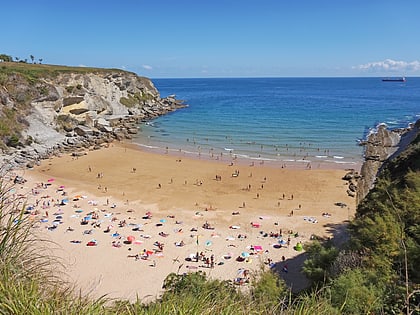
{"x": 122, "y": 219}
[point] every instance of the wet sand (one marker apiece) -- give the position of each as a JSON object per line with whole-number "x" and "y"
{"x": 121, "y": 183}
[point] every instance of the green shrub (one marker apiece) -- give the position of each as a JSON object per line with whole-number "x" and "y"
{"x": 69, "y": 89}
{"x": 13, "y": 141}
{"x": 357, "y": 292}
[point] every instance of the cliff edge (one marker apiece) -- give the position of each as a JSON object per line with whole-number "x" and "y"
{"x": 45, "y": 108}
{"x": 381, "y": 146}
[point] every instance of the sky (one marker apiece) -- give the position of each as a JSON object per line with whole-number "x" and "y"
{"x": 219, "y": 38}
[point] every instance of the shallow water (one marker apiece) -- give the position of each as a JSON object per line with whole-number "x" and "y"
{"x": 281, "y": 120}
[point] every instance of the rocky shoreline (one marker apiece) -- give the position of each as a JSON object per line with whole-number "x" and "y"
{"x": 76, "y": 113}
{"x": 82, "y": 139}
{"x": 381, "y": 146}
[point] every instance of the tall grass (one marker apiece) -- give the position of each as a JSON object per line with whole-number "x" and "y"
{"x": 29, "y": 283}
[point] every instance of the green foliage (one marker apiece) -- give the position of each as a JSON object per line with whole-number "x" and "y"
{"x": 43, "y": 90}
{"x": 33, "y": 72}
{"x": 70, "y": 89}
{"x": 135, "y": 99}
{"x": 28, "y": 282}
{"x": 13, "y": 141}
{"x": 386, "y": 231}
{"x": 356, "y": 292}
{"x": 269, "y": 291}
{"x": 5, "y": 58}
{"x": 3, "y": 78}
{"x": 194, "y": 284}
{"x": 129, "y": 101}
{"x": 320, "y": 259}
{"x": 315, "y": 302}
{"x": 10, "y": 128}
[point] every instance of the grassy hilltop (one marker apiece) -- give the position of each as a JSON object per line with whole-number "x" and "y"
{"x": 25, "y": 86}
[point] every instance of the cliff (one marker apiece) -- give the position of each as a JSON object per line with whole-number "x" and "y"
{"x": 46, "y": 109}
{"x": 382, "y": 146}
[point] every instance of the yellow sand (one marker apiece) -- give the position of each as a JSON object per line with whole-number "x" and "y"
{"x": 123, "y": 183}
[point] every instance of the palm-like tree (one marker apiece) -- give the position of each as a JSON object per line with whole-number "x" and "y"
{"x": 32, "y": 58}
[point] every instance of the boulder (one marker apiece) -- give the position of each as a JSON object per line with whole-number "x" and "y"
{"x": 81, "y": 130}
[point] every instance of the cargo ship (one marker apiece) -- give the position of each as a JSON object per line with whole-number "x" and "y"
{"x": 401, "y": 79}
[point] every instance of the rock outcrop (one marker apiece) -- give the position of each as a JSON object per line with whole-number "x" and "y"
{"x": 71, "y": 111}
{"x": 380, "y": 146}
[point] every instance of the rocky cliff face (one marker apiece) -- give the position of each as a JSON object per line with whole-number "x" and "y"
{"x": 72, "y": 110}
{"x": 381, "y": 146}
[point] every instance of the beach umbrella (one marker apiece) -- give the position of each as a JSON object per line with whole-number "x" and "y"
{"x": 130, "y": 238}
{"x": 162, "y": 220}
{"x": 282, "y": 242}
{"x": 245, "y": 254}
{"x": 299, "y": 247}
{"x": 208, "y": 243}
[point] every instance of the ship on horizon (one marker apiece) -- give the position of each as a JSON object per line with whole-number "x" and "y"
{"x": 399, "y": 79}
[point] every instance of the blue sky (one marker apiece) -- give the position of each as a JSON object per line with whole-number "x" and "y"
{"x": 219, "y": 38}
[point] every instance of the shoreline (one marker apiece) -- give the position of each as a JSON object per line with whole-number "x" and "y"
{"x": 230, "y": 156}
{"x": 122, "y": 183}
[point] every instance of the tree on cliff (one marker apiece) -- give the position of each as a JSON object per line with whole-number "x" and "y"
{"x": 6, "y": 58}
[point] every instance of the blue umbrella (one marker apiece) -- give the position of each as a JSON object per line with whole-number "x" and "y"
{"x": 245, "y": 254}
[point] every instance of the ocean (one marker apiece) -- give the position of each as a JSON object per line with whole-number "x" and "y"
{"x": 279, "y": 120}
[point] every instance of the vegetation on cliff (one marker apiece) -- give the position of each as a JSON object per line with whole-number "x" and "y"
{"x": 374, "y": 273}
{"x": 377, "y": 270}
{"x": 61, "y": 98}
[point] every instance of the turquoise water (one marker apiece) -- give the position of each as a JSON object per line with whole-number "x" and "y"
{"x": 280, "y": 119}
